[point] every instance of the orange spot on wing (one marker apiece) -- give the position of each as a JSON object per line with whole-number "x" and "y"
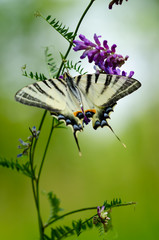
{"x": 75, "y": 113}
{"x": 91, "y": 110}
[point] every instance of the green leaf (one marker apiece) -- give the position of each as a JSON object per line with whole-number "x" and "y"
{"x": 36, "y": 76}
{"x": 55, "y": 234}
{"x": 31, "y": 75}
{"x": 77, "y": 67}
{"x": 77, "y": 225}
{"x": 18, "y": 166}
{"x": 48, "y": 17}
{"x": 52, "y": 68}
{"x": 46, "y": 237}
{"x": 54, "y": 205}
{"x": 60, "y": 28}
{"x": 89, "y": 223}
{"x": 61, "y": 232}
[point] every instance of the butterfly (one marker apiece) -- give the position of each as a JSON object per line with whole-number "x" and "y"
{"x": 78, "y": 100}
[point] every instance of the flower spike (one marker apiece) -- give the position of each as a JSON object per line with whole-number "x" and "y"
{"x": 103, "y": 56}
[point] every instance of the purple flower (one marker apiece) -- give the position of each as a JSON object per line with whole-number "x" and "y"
{"x": 23, "y": 144}
{"x": 35, "y": 133}
{"x": 102, "y": 214}
{"x": 102, "y": 217}
{"x": 103, "y": 56}
{"x": 115, "y": 2}
{"x": 19, "y": 155}
{"x": 27, "y": 145}
{"x": 131, "y": 74}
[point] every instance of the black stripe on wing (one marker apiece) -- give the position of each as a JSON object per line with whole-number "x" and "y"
{"x": 116, "y": 78}
{"x": 78, "y": 78}
{"x": 61, "y": 81}
{"x": 26, "y": 98}
{"x": 107, "y": 82}
{"x": 46, "y": 83}
{"x": 56, "y": 87}
{"x": 40, "y": 90}
{"x": 88, "y": 84}
{"x": 32, "y": 89}
{"x": 30, "y": 100}
{"x": 96, "y": 77}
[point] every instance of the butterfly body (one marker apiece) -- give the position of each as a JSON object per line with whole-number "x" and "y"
{"x": 78, "y": 100}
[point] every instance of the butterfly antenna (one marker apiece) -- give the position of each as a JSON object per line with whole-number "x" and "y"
{"x": 74, "y": 134}
{"x": 117, "y": 136}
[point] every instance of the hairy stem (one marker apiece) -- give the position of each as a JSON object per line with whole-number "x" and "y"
{"x": 75, "y": 33}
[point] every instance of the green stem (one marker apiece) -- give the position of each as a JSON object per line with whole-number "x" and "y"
{"x": 32, "y": 170}
{"x": 37, "y": 200}
{"x": 41, "y": 228}
{"x": 40, "y": 126}
{"x": 82, "y": 17}
{"x": 34, "y": 189}
{"x": 69, "y": 213}
{"x": 75, "y": 33}
{"x": 46, "y": 148}
{"x": 35, "y": 180}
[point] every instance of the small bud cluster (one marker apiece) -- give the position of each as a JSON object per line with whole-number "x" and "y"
{"x": 26, "y": 145}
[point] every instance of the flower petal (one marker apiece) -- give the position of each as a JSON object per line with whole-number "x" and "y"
{"x": 96, "y": 39}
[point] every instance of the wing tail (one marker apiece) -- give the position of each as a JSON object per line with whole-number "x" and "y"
{"x": 116, "y": 136}
{"x": 77, "y": 143}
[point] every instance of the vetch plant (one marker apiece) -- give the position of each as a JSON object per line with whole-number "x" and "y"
{"x": 107, "y": 64}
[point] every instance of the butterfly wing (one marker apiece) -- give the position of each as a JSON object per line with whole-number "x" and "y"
{"x": 103, "y": 91}
{"x": 49, "y": 94}
{"x": 54, "y": 96}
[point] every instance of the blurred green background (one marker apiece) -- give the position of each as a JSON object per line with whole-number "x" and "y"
{"x": 106, "y": 170}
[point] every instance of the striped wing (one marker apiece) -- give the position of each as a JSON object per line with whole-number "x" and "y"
{"x": 51, "y": 95}
{"x": 103, "y": 91}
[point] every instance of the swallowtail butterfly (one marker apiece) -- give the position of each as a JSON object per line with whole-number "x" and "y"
{"x": 78, "y": 100}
